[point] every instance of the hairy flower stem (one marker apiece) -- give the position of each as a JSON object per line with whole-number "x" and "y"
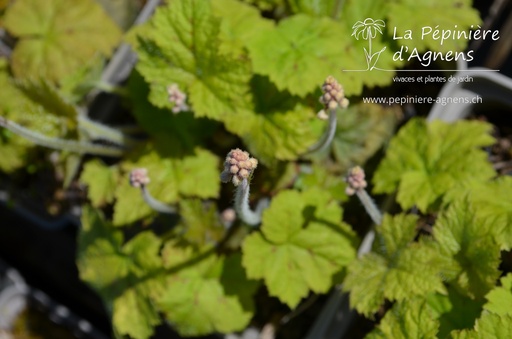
{"x": 96, "y": 130}
{"x": 369, "y": 206}
{"x": 155, "y": 204}
{"x": 328, "y": 135}
{"x": 242, "y": 208}
{"x": 61, "y": 144}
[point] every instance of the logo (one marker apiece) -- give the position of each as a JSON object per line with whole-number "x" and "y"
{"x": 415, "y": 44}
{"x": 367, "y": 30}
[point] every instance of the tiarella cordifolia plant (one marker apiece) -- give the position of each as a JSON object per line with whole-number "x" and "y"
{"x": 207, "y": 81}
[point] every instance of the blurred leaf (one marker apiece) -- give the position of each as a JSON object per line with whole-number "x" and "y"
{"x": 34, "y": 105}
{"x": 75, "y": 86}
{"x": 407, "y": 319}
{"x": 490, "y": 325}
{"x": 500, "y": 298}
{"x": 123, "y": 12}
{"x": 176, "y": 134}
{"x": 51, "y": 100}
{"x": 72, "y": 165}
{"x": 171, "y": 178}
{"x": 99, "y": 251}
{"x": 14, "y": 151}
{"x": 19, "y": 107}
{"x": 266, "y": 4}
{"x": 201, "y": 223}
{"x": 469, "y": 240}
{"x": 279, "y": 176}
{"x": 416, "y": 15}
{"x": 213, "y": 295}
{"x": 238, "y": 21}
{"x": 318, "y": 176}
{"x": 425, "y": 161}
{"x": 326, "y": 8}
{"x": 114, "y": 272}
{"x": 278, "y": 128}
{"x": 56, "y": 39}
{"x": 398, "y": 269}
{"x": 361, "y": 131}
{"x": 301, "y": 51}
{"x": 301, "y": 246}
{"x": 493, "y": 200}
{"x": 135, "y": 313}
{"x": 180, "y": 45}
{"x": 454, "y": 311}
{"x": 298, "y": 54}
{"x": 101, "y": 181}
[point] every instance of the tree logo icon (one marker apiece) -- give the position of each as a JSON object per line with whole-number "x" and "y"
{"x": 368, "y": 29}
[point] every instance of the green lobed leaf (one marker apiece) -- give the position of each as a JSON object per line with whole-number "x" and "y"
{"x": 14, "y": 152}
{"x": 278, "y": 127}
{"x": 117, "y": 273}
{"x": 134, "y": 312}
{"x": 454, "y": 311}
{"x": 75, "y": 86}
{"x": 301, "y": 246}
{"x": 493, "y": 200}
{"x": 448, "y": 15}
{"x": 301, "y": 51}
{"x": 469, "y": 240}
{"x": 56, "y": 39}
{"x": 34, "y": 107}
{"x": 171, "y": 178}
{"x": 180, "y": 45}
{"x": 279, "y": 176}
{"x": 406, "y": 320}
{"x": 208, "y": 293}
{"x": 238, "y": 22}
{"x": 298, "y": 54}
{"x": 326, "y": 8}
{"x": 499, "y": 298}
{"x": 490, "y": 325}
{"x": 100, "y": 261}
{"x": 176, "y": 134}
{"x": 318, "y": 176}
{"x": 398, "y": 269}
{"x": 48, "y": 97}
{"x": 101, "y": 181}
{"x": 361, "y": 131}
{"x": 266, "y": 5}
{"x": 425, "y": 161}
{"x": 201, "y": 222}
{"x": 123, "y": 12}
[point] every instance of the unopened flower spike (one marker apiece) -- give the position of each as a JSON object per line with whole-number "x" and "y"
{"x": 238, "y": 168}
{"x": 139, "y": 179}
{"x": 333, "y": 96}
{"x": 178, "y": 98}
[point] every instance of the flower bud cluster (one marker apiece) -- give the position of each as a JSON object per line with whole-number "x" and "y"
{"x": 178, "y": 98}
{"x": 238, "y": 166}
{"x": 333, "y": 94}
{"x": 139, "y": 177}
{"x": 355, "y": 180}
